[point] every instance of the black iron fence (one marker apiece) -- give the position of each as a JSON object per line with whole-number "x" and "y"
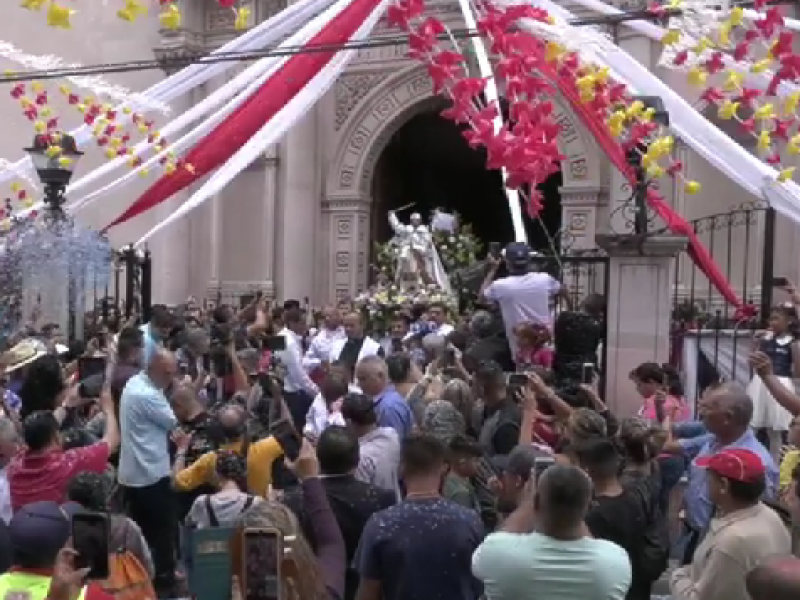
{"x": 709, "y": 338}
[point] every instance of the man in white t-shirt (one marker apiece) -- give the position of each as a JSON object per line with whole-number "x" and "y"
{"x": 524, "y": 295}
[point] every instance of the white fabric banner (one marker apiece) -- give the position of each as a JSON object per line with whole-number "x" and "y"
{"x": 693, "y": 128}
{"x": 273, "y": 130}
{"x": 726, "y": 350}
{"x": 174, "y": 86}
{"x": 239, "y": 89}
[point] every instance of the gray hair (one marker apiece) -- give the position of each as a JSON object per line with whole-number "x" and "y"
{"x": 196, "y": 337}
{"x": 433, "y": 342}
{"x": 481, "y": 324}
{"x": 735, "y": 399}
{"x": 373, "y": 363}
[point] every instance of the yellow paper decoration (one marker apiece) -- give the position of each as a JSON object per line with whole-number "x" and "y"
{"x": 733, "y": 81}
{"x": 132, "y": 10}
{"x": 793, "y": 145}
{"x": 169, "y": 168}
{"x": 691, "y": 187}
{"x": 143, "y": 173}
{"x": 697, "y": 76}
{"x": 737, "y": 16}
{"x": 764, "y": 141}
{"x": 655, "y": 172}
{"x": 59, "y": 16}
{"x": 703, "y": 44}
{"x": 170, "y": 18}
{"x": 5, "y": 224}
{"x": 37, "y": 87}
{"x": 764, "y": 112}
{"x": 725, "y": 34}
{"x": 242, "y": 20}
{"x": 791, "y": 102}
{"x": 33, "y": 4}
{"x": 602, "y": 75}
{"x": 648, "y": 114}
{"x": 552, "y": 51}
{"x": 111, "y": 153}
{"x": 40, "y": 127}
{"x": 761, "y": 66}
{"x": 786, "y": 174}
{"x": 673, "y": 36}
{"x": 727, "y": 110}
{"x": 64, "y": 161}
{"x": 52, "y": 151}
{"x": 16, "y": 186}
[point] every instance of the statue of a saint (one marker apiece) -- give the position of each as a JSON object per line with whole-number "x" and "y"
{"x": 418, "y": 261}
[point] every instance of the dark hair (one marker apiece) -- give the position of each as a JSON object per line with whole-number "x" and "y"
{"x": 333, "y": 386}
{"x": 160, "y": 316}
{"x": 790, "y": 312}
{"x": 489, "y": 373}
{"x": 748, "y": 492}
{"x": 292, "y": 316}
{"x": 402, "y": 316}
{"x": 649, "y": 372}
{"x": 48, "y": 328}
{"x": 422, "y": 454}
{"x": 598, "y": 456}
{"x": 130, "y": 340}
{"x": 76, "y": 438}
{"x": 221, "y": 314}
{"x": 233, "y": 467}
{"x": 594, "y": 305}
{"x": 360, "y": 409}
{"x": 39, "y": 430}
{"x": 398, "y": 366}
{"x": 337, "y": 450}
{"x": 459, "y": 339}
{"x": 463, "y": 447}
{"x": 42, "y": 384}
{"x": 291, "y": 304}
{"x": 564, "y": 492}
{"x": 90, "y": 490}
{"x": 672, "y": 380}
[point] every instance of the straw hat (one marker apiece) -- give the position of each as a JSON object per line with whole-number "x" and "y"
{"x": 23, "y": 354}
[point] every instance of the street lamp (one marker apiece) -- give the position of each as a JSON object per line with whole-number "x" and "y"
{"x": 54, "y": 157}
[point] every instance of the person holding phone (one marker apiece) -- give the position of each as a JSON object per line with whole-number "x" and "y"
{"x": 780, "y": 344}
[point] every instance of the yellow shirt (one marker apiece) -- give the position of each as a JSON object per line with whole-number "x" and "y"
{"x": 788, "y": 464}
{"x": 260, "y": 457}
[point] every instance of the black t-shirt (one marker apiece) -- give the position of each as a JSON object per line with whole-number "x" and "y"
{"x": 421, "y": 550}
{"x": 622, "y": 519}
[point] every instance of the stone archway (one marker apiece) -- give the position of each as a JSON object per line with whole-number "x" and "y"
{"x": 365, "y": 130}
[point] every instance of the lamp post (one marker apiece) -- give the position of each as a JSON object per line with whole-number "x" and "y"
{"x": 55, "y": 157}
{"x": 634, "y": 158}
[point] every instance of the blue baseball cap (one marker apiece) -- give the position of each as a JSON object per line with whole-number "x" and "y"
{"x": 38, "y": 531}
{"x": 517, "y": 254}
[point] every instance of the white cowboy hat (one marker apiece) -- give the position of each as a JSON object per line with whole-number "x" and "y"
{"x": 23, "y": 354}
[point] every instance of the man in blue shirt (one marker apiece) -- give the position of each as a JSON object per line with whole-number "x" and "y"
{"x": 726, "y": 413}
{"x": 393, "y": 411}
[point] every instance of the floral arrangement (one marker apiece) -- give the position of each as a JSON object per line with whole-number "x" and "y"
{"x": 381, "y": 302}
{"x": 457, "y": 249}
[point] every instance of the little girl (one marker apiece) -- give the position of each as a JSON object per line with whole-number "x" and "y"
{"x": 533, "y": 349}
{"x": 654, "y": 381}
{"x": 780, "y": 344}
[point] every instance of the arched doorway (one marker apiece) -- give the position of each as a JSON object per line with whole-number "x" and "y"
{"x": 429, "y": 162}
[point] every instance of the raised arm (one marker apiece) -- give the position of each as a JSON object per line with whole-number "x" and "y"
{"x": 395, "y": 224}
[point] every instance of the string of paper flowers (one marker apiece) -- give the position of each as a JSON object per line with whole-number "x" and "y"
{"x": 720, "y": 49}
{"x": 533, "y": 71}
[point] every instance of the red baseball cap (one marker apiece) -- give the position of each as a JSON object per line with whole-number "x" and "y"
{"x": 738, "y": 464}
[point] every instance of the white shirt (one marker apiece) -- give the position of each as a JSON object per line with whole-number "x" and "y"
{"x": 319, "y": 417}
{"x": 296, "y": 377}
{"x": 5, "y": 498}
{"x": 523, "y": 298}
{"x": 319, "y": 349}
{"x": 443, "y": 330}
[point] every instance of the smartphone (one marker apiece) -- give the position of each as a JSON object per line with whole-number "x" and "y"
{"x": 540, "y": 465}
{"x": 90, "y": 541}
{"x": 288, "y": 438}
{"x": 587, "y": 373}
{"x": 91, "y": 366}
{"x": 780, "y": 282}
{"x": 518, "y": 379}
{"x": 494, "y": 249}
{"x": 262, "y": 554}
{"x": 275, "y": 343}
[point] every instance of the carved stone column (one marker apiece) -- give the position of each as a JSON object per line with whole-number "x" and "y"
{"x": 345, "y": 227}
{"x": 579, "y": 217}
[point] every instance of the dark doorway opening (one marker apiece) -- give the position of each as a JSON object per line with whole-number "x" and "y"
{"x": 430, "y": 163}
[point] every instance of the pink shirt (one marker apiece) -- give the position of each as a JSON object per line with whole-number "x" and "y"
{"x": 648, "y": 410}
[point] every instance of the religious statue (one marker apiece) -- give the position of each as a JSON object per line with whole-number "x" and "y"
{"x": 418, "y": 261}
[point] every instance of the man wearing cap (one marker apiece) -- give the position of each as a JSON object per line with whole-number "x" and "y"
{"x": 743, "y": 533}
{"x": 37, "y": 532}
{"x": 524, "y": 296}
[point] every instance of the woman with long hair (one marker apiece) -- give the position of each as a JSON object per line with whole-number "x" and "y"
{"x": 304, "y": 574}
{"x": 230, "y": 501}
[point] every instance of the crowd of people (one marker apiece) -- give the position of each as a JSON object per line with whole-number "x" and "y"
{"x": 452, "y": 457}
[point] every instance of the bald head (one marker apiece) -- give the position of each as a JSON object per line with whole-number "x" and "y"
{"x": 353, "y": 326}
{"x": 184, "y": 402}
{"x": 232, "y": 421}
{"x": 332, "y": 317}
{"x": 727, "y": 410}
{"x": 162, "y": 368}
{"x": 776, "y": 579}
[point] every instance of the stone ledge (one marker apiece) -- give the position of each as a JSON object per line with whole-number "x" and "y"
{"x": 641, "y": 245}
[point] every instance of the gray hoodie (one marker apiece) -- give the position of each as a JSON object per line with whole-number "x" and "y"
{"x": 380, "y": 459}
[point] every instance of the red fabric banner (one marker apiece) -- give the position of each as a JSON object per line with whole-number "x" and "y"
{"x": 243, "y": 123}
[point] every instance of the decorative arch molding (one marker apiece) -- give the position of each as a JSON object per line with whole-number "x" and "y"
{"x": 409, "y": 92}
{"x": 362, "y": 134}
